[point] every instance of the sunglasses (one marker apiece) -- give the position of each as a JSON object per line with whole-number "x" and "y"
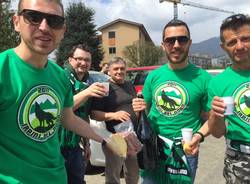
{"x": 233, "y": 18}
{"x": 182, "y": 40}
{"x": 35, "y": 18}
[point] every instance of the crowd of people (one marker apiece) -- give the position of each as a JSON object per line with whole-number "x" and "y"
{"x": 45, "y": 109}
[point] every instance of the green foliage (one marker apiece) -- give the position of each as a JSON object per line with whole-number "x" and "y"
{"x": 80, "y": 29}
{"x": 143, "y": 54}
{"x": 8, "y": 37}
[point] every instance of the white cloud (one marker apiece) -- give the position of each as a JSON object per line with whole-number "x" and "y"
{"x": 153, "y": 15}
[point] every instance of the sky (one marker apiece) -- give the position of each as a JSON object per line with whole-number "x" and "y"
{"x": 203, "y": 23}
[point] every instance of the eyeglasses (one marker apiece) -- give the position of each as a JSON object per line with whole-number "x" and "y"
{"x": 82, "y": 59}
{"x": 35, "y": 18}
{"x": 234, "y": 18}
{"x": 170, "y": 41}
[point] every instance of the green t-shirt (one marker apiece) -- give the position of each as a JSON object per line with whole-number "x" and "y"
{"x": 175, "y": 99}
{"x": 68, "y": 138}
{"x": 30, "y": 109}
{"x": 236, "y": 84}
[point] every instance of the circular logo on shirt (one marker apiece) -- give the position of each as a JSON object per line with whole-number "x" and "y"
{"x": 39, "y": 113}
{"x": 242, "y": 99}
{"x": 171, "y": 98}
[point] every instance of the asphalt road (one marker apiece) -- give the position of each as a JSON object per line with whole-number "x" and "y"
{"x": 209, "y": 169}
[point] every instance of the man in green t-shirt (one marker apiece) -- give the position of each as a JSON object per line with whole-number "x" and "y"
{"x": 76, "y": 69}
{"x": 35, "y": 96}
{"x": 175, "y": 95}
{"x": 234, "y": 82}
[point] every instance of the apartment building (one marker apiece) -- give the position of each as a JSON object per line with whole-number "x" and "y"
{"x": 201, "y": 60}
{"x": 118, "y": 34}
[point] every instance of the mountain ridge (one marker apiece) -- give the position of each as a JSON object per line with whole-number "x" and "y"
{"x": 210, "y": 47}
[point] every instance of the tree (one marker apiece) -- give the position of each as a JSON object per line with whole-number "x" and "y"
{"x": 143, "y": 54}
{"x": 8, "y": 37}
{"x": 80, "y": 29}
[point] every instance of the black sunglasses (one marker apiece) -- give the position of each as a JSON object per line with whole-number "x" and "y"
{"x": 182, "y": 40}
{"x": 34, "y": 17}
{"x": 237, "y": 17}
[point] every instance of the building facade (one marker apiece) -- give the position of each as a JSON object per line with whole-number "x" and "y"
{"x": 201, "y": 60}
{"x": 118, "y": 34}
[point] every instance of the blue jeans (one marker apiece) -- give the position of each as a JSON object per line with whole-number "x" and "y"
{"x": 75, "y": 165}
{"x": 193, "y": 163}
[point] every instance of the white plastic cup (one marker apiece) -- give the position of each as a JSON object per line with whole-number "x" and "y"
{"x": 106, "y": 86}
{"x": 229, "y": 101}
{"x": 187, "y": 134}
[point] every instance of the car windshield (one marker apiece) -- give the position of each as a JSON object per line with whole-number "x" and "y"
{"x": 137, "y": 75}
{"x": 98, "y": 76}
{"x": 141, "y": 77}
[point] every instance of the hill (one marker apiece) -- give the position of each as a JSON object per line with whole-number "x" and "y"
{"x": 209, "y": 47}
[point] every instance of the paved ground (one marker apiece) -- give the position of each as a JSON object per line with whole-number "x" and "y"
{"x": 210, "y": 164}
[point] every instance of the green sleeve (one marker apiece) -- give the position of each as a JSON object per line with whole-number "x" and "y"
{"x": 147, "y": 91}
{"x": 8, "y": 180}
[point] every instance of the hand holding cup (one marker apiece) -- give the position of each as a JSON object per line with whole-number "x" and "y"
{"x": 187, "y": 134}
{"x": 229, "y": 102}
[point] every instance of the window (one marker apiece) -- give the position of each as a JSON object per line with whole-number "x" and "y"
{"x": 111, "y": 34}
{"x": 112, "y": 50}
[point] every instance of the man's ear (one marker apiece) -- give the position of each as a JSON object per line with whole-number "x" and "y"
{"x": 162, "y": 46}
{"x": 222, "y": 46}
{"x": 64, "y": 30}
{"x": 16, "y": 23}
{"x": 69, "y": 60}
{"x": 190, "y": 42}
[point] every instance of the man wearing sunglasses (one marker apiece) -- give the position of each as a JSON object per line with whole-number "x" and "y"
{"x": 175, "y": 96}
{"x": 77, "y": 67}
{"x": 35, "y": 96}
{"x": 234, "y": 81}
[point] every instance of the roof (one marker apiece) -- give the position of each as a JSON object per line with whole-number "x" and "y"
{"x": 143, "y": 68}
{"x": 141, "y": 26}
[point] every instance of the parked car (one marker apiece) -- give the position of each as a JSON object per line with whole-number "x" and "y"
{"x": 137, "y": 75}
{"x": 97, "y": 157}
{"x": 98, "y": 76}
{"x": 214, "y": 72}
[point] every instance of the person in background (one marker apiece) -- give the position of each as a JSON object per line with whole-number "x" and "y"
{"x": 36, "y": 96}
{"x": 175, "y": 95}
{"x": 104, "y": 67}
{"x": 234, "y": 82}
{"x": 83, "y": 88}
{"x": 114, "y": 109}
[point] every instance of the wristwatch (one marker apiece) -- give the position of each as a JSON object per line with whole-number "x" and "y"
{"x": 104, "y": 142}
{"x": 202, "y": 136}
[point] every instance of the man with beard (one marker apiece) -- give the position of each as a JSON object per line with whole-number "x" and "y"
{"x": 174, "y": 96}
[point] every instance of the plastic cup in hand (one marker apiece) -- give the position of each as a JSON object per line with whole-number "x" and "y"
{"x": 106, "y": 86}
{"x": 229, "y": 101}
{"x": 187, "y": 134}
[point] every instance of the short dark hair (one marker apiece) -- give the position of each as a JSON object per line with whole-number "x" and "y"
{"x": 20, "y": 5}
{"x": 82, "y": 46}
{"x": 175, "y": 23}
{"x": 233, "y": 22}
{"x": 115, "y": 60}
